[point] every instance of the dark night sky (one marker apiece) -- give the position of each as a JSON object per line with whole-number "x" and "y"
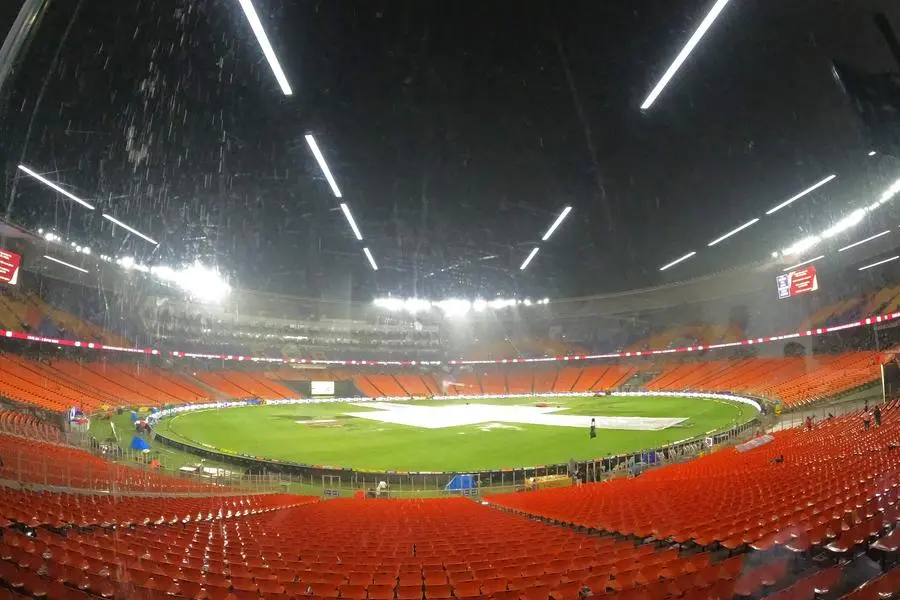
{"x": 453, "y": 132}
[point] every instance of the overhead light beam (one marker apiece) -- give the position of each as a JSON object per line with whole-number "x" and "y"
{"x": 55, "y": 187}
{"x": 371, "y": 259}
{"x": 65, "y": 264}
{"x": 734, "y": 231}
{"x": 682, "y": 56}
{"x": 880, "y": 262}
{"x": 678, "y": 260}
{"x": 565, "y": 212}
{"x": 868, "y": 239}
{"x": 268, "y": 51}
{"x": 529, "y": 258}
{"x": 311, "y": 141}
{"x": 352, "y": 222}
{"x": 805, "y": 262}
{"x": 129, "y": 228}
{"x": 808, "y": 190}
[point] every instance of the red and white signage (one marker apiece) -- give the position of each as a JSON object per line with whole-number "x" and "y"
{"x": 797, "y": 282}
{"x": 9, "y": 266}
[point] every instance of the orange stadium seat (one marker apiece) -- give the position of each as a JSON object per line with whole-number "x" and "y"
{"x": 720, "y": 497}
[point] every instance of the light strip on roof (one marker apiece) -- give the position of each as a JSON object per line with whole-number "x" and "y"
{"x": 529, "y": 258}
{"x": 311, "y": 141}
{"x": 868, "y": 239}
{"x": 565, "y": 212}
{"x": 53, "y": 186}
{"x": 808, "y": 190}
{"x": 65, "y": 264}
{"x": 129, "y": 228}
{"x": 704, "y": 26}
{"x": 350, "y": 220}
{"x": 880, "y": 262}
{"x": 805, "y": 262}
{"x": 733, "y": 231}
{"x": 371, "y": 259}
{"x": 267, "y": 49}
{"x": 678, "y": 260}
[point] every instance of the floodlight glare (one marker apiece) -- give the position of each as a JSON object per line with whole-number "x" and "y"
{"x": 734, "y": 231}
{"x": 129, "y": 228}
{"x": 311, "y": 142}
{"x": 802, "y": 246}
{"x": 880, "y": 262}
{"x": 371, "y": 259}
{"x": 528, "y": 259}
{"x": 677, "y": 260}
{"x": 55, "y": 187}
{"x": 65, "y": 264}
{"x": 704, "y": 26}
{"x": 263, "y": 39}
{"x": 808, "y": 190}
{"x": 805, "y": 262}
{"x": 846, "y": 223}
{"x": 868, "y": 239}
{"x": 565, "y": 212}
{"x": 350, "y": 220}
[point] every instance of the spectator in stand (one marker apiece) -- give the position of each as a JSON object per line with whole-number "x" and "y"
{"x": 877, "y": 414}
{"x": 809, "y": 423}
{"x": 866, "y": 417}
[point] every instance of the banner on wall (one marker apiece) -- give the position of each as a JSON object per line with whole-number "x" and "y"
{"x": 9, "y": 266}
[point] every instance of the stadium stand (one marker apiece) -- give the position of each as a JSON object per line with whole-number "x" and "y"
{"x": 793, "y": 381}
{"x": 805, "y": 500}
{"x": 84, "y": 510}
{"x": 240, "y": 385}
{"x": 61, "y": 384}
{"x": 34, "y": 461}
{"x": 20, "y": 424}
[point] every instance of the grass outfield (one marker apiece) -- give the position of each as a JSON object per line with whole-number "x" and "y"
{"x": 280, "y": 432}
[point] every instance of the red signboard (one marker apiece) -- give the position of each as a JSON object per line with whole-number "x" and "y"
{"x": 9, "y": 266}
{"x": 797, "y": 282}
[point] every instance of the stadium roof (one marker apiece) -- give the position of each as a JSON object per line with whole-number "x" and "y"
{"x": 451, "y": 148}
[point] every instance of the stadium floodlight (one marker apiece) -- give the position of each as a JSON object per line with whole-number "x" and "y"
{"x": 801, "y": 246}
{"x": 880, "y": 262}
{"x": 704, "y": 26}
{"x": 55, "y": 187}
{"x": 529, "y": 258}
{"x": 263, "y": 39}
{"x": 868, "y": 239}
{"x": 891, "y": 192}
{"x": 202, "y": 283}
{"x": 454, "y": 307}
{"x": 350, "y": 220}
{"x": 678, "y": 260}
{"x": 846, "y": 223}
{"x": 805, "y": 262}
{"x": 734, "y": 231}
{"x": 371, "y": 259}
{"x": 565, "y": 212}
{"x": 480, "y": 305}
{"x": 808, "y": 190}
{"x": 872, "y": 153}
{"x": 320, "y": 158}
{"x": 498, "y": 303}
{"x": 129, "y": 228}
{"x": 65, "y": 264}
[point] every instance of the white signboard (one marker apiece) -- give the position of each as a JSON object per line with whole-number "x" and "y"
{"x": 322, "y": 388}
